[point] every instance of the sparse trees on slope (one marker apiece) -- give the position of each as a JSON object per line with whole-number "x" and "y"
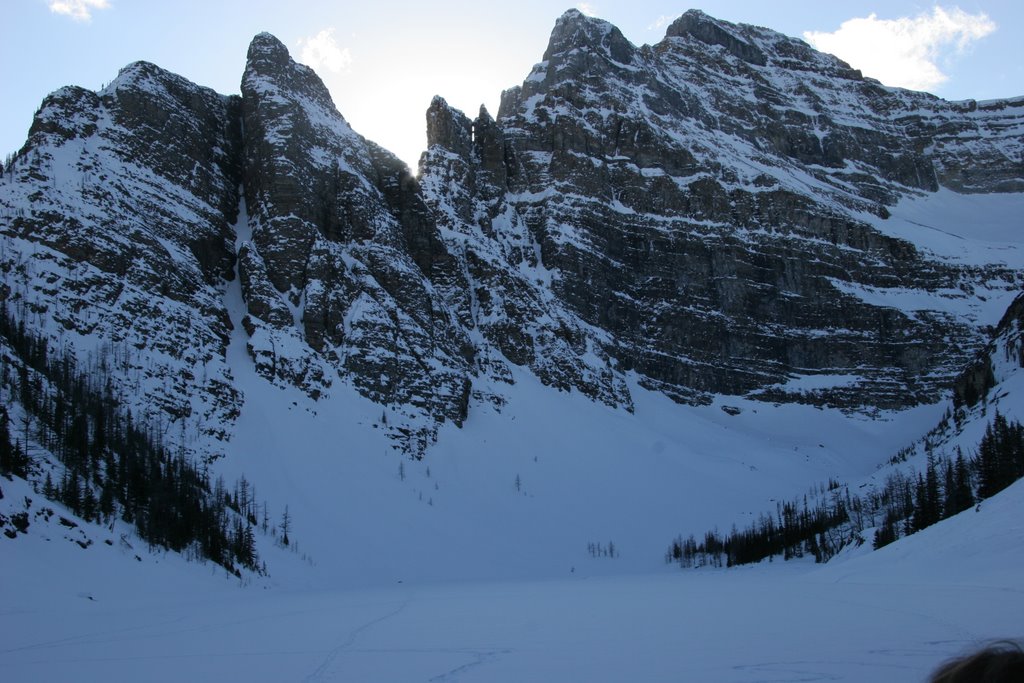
{"x": 113, "y": 465}
{"x": 904, "y": 505}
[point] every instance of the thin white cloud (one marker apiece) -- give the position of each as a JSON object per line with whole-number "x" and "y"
{"x": 904, "y": 52}
{"x": 660, "y": 22}
{"x": 79, "y": 10}
{"x": 587, "y": 9}
{"x": 322, "y": 50}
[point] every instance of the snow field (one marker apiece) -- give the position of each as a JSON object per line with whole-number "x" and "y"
{"x": 885, "y": 616}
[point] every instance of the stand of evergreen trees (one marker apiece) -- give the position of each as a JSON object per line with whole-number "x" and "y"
{"x": 14, "y": 459}
{"x": 1000, "y": 460}
{"x": 114, "y": 466}
{"x": 903, "y": 506}
{"x": 795, "y": 530}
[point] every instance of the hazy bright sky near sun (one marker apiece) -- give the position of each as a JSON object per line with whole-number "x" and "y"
{"x": 383, "y": 61}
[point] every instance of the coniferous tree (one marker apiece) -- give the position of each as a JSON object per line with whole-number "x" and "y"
{"x": 962, "y": 476}
{"x": 918, "y": 520}
{"x": 286, "y": 526}
{"x": 933, "y": 498}
{"x": 988, "y": 464}
{"x": 1000, "y": 459}
{"x": 957, "y": 488}
{"x": 89, "y": 504}
{"x": 13, "y": 459}
{"x": 106, "y": 502}
{"x": 885, "y": 534}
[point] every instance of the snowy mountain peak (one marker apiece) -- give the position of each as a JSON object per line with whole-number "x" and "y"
{"x": 269, "y": 69}
{"x": 575, "y": 30}
{"x": 267, "y": 48}
{"x": 697, "y": 24}
{"x": 140, "y": 72}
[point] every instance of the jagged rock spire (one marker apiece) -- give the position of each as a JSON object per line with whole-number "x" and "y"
{"x": 574, "y": 29}
{"x": 708, "y": 30}
{"x": 269, "y": 67}
{"x": 448, "y": 127}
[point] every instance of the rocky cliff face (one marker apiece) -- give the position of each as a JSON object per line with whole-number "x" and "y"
{"x": 699, "y": 205}
{"x": 998, "y": 361}
{"x": 699, "y": 213}
{"x": 116, "y": 220}
{"x": 344, "y": 256}
{"x": 508, "y": 304}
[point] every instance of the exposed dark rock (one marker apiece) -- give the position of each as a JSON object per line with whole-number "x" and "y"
{"x": 705, "y": 29}
{"x": 1006, "y": 347}
{"x": 660, "y": 187}
{"x": 576, "y": 31}
{"x": 116, "y": 222}
{"x": 448, "y": 128}
{"x": 348, "y": 242}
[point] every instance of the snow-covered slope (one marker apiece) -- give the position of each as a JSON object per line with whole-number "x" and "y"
{"x": 889, "y": 616}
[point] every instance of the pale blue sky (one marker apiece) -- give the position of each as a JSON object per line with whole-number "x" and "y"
{"x": 387, "y": 59}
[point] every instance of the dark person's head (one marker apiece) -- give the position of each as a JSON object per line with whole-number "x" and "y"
{"x": 1001, "y": 662}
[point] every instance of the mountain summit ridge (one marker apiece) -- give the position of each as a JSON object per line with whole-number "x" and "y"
{"x": 695, "y": 142}
{"x": 706, "y": 215}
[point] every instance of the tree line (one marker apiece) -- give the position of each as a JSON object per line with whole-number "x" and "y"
{"x": 114, "y": 466}
{"x": 904, "y": 505}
